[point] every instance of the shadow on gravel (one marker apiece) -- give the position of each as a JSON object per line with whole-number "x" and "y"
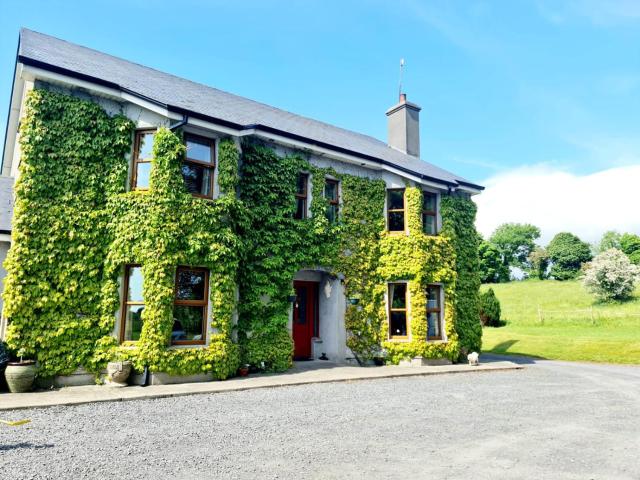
{"x": 17, "y": 446}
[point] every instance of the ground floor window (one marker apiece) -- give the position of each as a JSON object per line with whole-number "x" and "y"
{"x": 190, "y": 306}
{"x": 434, "y": 312}
{"x": 398, "y": 328}
{"x": 133, "y": 304}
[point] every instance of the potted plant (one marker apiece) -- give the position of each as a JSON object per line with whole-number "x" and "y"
{"x": 380, "y": 358}
{"x": 118, "y": 372}
{"x": 243, "y": 371}
{"x": 20, "y": 375}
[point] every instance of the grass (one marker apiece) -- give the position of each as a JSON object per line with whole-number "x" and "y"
{"x": 559, "y": 320}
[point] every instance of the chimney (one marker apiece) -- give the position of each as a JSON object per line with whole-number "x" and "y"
{"x": 404, "y": 126}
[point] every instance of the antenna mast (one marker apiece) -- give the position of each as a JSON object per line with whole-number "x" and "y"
{"x": 400, "y": 82}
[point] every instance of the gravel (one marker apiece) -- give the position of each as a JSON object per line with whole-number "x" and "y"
{"x": 551, "y": 420}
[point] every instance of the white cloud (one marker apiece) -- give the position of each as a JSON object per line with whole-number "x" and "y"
{"x": 559, "y": 201}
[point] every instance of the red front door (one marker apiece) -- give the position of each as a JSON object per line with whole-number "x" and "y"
{"x": 304, "y": 318}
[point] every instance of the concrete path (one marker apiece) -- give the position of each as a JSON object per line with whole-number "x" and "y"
{"x": 302, "y": 373}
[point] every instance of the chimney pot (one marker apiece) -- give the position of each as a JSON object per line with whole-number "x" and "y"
{"x": 403, "y": 98}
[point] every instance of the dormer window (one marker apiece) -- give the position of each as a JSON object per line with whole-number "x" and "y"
{"x": 142, "y": 155}
{"x": 198, "y": 166}
{"x": 331, "y": 194}
{"x": 430, "y": 213}
{"x": 395, "y": 210}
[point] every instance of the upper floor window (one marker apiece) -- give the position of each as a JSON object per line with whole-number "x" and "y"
{"x": 190, "y": 306}
{"x": 331, "y": 194}
{"x": 198, "y": 166}
{"x": 429, "y": 213}
{"x": 434, "y": 312}
{"x": 133, "y": 304}
{"x": 142, "y": 155}
{"x": 395, "y": 210}
{"x": 398, "y": 320}
{"x": 301, "y": 196}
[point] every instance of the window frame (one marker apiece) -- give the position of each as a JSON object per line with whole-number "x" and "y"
{"x": 136, "y": 160}
{"x": 430, "y": 213}
{"x": 199, "y": 163}
{"x": 125, "y": 301}
{"x": 333, "y": 202}
{"x": 204, "y": 303}
{"x": 390, "y": 309}
{"x": 302, "y": 196}
{"x": 439, "y": 291}
{"x": 396, "y": 210}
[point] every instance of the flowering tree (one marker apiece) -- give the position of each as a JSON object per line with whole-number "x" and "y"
{"x": 611, "y": 276}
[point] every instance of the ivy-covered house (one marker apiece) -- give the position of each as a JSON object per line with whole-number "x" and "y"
{"x": 191, "y": 230}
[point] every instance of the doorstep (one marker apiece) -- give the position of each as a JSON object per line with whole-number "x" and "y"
{"x": 325, "y": 372}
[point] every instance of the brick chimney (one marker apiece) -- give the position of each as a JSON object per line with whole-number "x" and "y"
{"x": 404, "y": 126}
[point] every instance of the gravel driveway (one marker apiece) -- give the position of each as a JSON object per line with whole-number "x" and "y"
{"x": 552, "y": 420}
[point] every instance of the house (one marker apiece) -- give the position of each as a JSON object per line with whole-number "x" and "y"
{"x": 191, "y": 230}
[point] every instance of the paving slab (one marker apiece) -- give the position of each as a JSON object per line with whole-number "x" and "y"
{"x": 302, "y": 373}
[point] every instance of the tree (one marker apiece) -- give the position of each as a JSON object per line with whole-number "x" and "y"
{"x": 515, "y": 241}
{"x": 630, "y": 245}
{"x": 611, "y": 276}
{"x": 539, "y": 261}
{"x": 489, "y": 309}
{"x": 567, "y": 253}
{"x": 492, "y": 269}
{"x": 609, "y": 240}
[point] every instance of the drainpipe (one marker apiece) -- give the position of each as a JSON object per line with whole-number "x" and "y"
{"x": 184, "y": 121}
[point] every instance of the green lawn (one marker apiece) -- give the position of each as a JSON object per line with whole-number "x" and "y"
{"x": 574, "y": 326}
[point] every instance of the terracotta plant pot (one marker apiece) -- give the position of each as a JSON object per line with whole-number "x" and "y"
{"x": 118, "y": 372}
{"x": 243, "y": 371}
{"x": 20, "y": 376}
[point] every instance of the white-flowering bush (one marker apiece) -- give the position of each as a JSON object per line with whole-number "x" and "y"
{"x": 611, "y": 276}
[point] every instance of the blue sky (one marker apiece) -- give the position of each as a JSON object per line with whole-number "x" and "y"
{"x": 505, "y": 85}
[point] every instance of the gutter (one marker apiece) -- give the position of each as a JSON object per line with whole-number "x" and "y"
{"x": 226, "y": 123}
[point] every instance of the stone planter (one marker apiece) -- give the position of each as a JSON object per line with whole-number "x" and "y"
{"x": 118, "y": 373}
{"x": 20, "y": 376}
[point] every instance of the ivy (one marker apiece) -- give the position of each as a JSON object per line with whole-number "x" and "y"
{"x": 76, "y": 227}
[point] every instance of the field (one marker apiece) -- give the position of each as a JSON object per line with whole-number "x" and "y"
{"x": 559, "y": 320}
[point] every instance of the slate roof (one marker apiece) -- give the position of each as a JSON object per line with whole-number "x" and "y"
{"x": 181, "y": 95}
{"x": 6, "y": 203}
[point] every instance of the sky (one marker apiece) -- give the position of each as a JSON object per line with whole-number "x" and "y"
{"x": 538, "y": 100}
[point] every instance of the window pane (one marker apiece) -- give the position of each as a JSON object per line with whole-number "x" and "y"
{"x": 429, "y": 224}
{"x": 398, "y": 324}
{"x": 199, "y": 150}
{"x": 187, "y": 323}
{"x": 428, "y": 201}
{"x": 142, "y": 174}
{"x": 331, "y": 190}
{"x": 145, "y": 146}
{"x": 190, "y": 284}
{"x": 197, "y": 179}
{"x": 301, "y": 209}
{"x": 332, "y": 213}
{"x": 301, "y": 184}
{"x": 433, "y": 322}
{"x": 395, "y": 200}
{"x": 133, "y": 322}
{"x": 399, "y": 295}
{"x": 433, "y": 297}
{"x": 396, "y": 221}
{"x": 135, "y": 285}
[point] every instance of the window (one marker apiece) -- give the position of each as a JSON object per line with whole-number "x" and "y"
{"x": 331, "y": 194}
{"x": 190, "y": 306}
{"x": 133, "y": 304}
{"x": 301, "y": 196}
{"x": 429, "y": 213}
{"x": 198, "y": 165}
{"x": 398, "y": 310}
{"x": 142, "y": 154}
{"x": 395, "y": 210}
{"x": 434, "y": 312}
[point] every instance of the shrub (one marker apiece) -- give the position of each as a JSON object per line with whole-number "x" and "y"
{"x": 489, "y": 309}
{"x": 611, "y": 276}
{"x": 567, "y": 253}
